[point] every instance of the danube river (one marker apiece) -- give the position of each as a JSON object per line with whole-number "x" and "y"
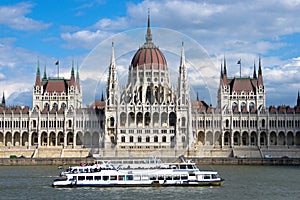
{"x": 241, "y": 182}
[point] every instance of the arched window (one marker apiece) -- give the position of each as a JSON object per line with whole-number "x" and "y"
{"x": 263, "y": 123}
{"x": 131, "y": 119}
{"x": 123, "y": 119}
{"x": 147, "y": 139}
{"x": 139, "y": 119}
{"x": 251, "y": 106}
{"x": 172, "y": 119}
{"x": 55, "y": 106}
{"x": 131, "y": 139}
{"x": 123, "y": 139}
{"x": 112, "y": 121}
{"x": 234, "y": 106}
{"x": 70, "y": 123}
{"x": 155, "y": 138}
{"x": 164, "y": 139}
{"x": 227, "y": 123}
{"x": 243, "y": 106}
{"x": 155, "y": 119}
{"x": 148, "y": 94}
{"x": 164, "y": 118}
{"x": 139, "y": 139}
{"x": 147, "y": 119}
{"x": 46, "y": 106}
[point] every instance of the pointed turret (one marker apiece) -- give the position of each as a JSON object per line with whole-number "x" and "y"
{"x": 254, "y": 71}
{"x": 221, "y": 73}
{"x": 102, "y": 97}
{"x": 260, "y": 78}
{"x": 112, "y": 83}
{"x": 38, "y": 76}
{"x": 225, "y": 73}
{"x": 72, "y": 80}
{"x": 45, "y": 74}
{"x": 182, "y": 58}
{"x": 182, "y": 79}
{"x": 3, "y": 101}
{"x": 149, "y": 34}
{"x": 298, "y": 99}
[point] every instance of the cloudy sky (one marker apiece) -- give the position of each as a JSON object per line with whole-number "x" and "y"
{"x": 79, "y": 30}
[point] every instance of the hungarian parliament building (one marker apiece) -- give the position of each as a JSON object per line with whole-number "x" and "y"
{"x": 149, "y": 117}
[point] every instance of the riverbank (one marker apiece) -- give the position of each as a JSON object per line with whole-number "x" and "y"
{"x": 200, "y": 161}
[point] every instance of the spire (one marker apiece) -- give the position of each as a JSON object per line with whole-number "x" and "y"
{"x": 182, "y": 59}
{"x": 72, "y": 80}
{"x": 225, "y": 70}
{"x": 112, "y": 83}
{"x": 298, "y": 99}
{"x": 3, "y": 101}
{"x": 221, "y": 75}
{"x": 224, "y": 74}
{"x": 112, "y": 58}
{"x": 183, "y": 88}
{"x": 102, "y": 97}
{"x": 197, "y": 96}
{"x": 259, "y": 67}
{"x": 260, "y": 79}
{"x": 254, "y": 71}
{"x": 45, "y": 74}
{"x": 148, "y": 35}
{"x": 38, "y": 75}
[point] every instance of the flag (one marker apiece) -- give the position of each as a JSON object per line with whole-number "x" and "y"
{"x": 57, "y": 62}
{"x": 239, "y": 62}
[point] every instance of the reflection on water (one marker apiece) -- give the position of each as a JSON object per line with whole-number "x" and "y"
{"x": 241, "y": 182}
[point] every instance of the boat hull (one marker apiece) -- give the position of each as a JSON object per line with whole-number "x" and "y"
{"x": 152, "y": 184}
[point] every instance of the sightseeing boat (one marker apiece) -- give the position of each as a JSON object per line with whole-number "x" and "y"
{"x": 167, "y": 174}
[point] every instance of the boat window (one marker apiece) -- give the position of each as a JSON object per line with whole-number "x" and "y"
{"x": 137, "y": 177}
{"x": 184, "y": 177}
{"x": 214, "y": 176}
{"x": 97, "y": 178}
{"x": 176, "y": 177}
{"x": 105, "y": 178}
{"x": 122, "y": 177}
{"x": 89, "y": 178}
{"x": 160, "y": 177}
{"x": 129, "y": 177}
{"x": 206, "y": 176}
{"x": 113, "y": 178}
{"x": 168, "y": 177}
{"x": 152, "y": 177}
{"x": 81, "y": 178}
{"x": 182, "y": 166}
{"x": 190, "y": 166}
{"x": 145, "y": 177}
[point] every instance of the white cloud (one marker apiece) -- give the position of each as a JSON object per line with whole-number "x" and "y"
{"x": 15, "y": 17}
{"x": 83, "y": 39}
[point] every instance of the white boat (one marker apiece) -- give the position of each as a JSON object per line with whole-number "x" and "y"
{"x": 169, "y": 174}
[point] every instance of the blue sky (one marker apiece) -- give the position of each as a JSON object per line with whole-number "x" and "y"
{"x": 68, "y": 30}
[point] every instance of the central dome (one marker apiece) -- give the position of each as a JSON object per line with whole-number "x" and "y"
{"x": 149, "y": 56}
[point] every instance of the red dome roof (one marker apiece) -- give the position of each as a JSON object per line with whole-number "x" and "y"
{"x": 149, "y": 57}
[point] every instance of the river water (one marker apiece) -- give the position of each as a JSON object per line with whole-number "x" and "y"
{"x": 241, "y": 182}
